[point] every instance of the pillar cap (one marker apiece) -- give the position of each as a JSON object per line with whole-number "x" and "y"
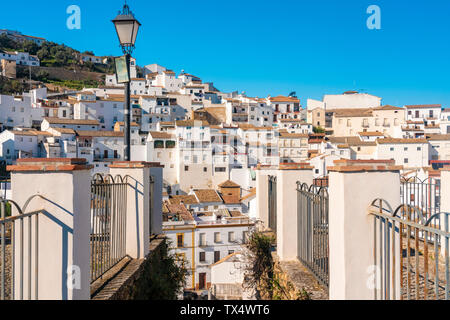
{"x": 135, "y": 165}
{"x": 295, "y": 166}
{"x": 364, "y": 166}
{"x": 50, "y": 165}
{"x": 286, "y": 166}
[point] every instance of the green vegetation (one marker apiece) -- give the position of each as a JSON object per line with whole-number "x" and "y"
{"x": 55, "y": 55}
{"x": 318, "y": 130}
{"x": 262, "y": 277}
{"x": 260, "y": 272}
{"x": 75, "y": 84}
{"x": 10, "y": 87}
{"x": 163, "y": 277}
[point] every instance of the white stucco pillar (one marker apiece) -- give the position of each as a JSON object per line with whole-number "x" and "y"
{"x": 156, "y": 171}
{"x": 445, "y": 208}
{"x": 62, "y": 251}
{"x": 353, "y": 186}
{"x": 138, "y": 206}
{"x": 287, "y": 213}
{"x": 262, "y": 192}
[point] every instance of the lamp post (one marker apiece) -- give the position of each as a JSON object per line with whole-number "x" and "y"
{"x": 127, "y": 28}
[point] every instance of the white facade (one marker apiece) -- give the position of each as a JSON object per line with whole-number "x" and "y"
{"x": 410, "y": 154}
{"x": 21, "y": 58}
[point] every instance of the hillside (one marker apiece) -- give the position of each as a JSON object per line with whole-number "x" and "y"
{"x": 61, "y": 66}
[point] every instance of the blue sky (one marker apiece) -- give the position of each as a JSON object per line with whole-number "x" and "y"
{"x": 271, "y": 47}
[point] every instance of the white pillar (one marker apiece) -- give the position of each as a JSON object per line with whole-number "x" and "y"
{"x": 138, "y": 206}
{"x": 63, "y": 246}
{"x": 287, "y": 214}
{"x": 353, "y": 185}
{"x": 445, "y": 208}
{"x": 262, "y": 192}
{"x": 156, "y": 171}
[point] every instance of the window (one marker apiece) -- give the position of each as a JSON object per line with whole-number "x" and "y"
{"x": 202, "y": 257}
{"x": 202, "y": 239}
{"x": 216, "y": 256}
{"x": 180, "y": 240}
{"x": 217, "y": 237}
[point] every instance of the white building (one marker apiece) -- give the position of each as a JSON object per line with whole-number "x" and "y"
{"x": 204, "y": 239}
{"x": 351, "y": 100}
{"x": 75, "y": 124}
{"x": 409, "y": 153}
{"x": 21, "y": 58}
{"x": 21, "y": 144}
{"x": 431, "y": 113}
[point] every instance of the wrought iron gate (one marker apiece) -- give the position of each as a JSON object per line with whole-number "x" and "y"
{"x": 411, "y": 253}
{"x": 108, "y": 223}
{"x": 424, "y": 195}
{"x": 313, "y": 230}
{"x": 272, "y": 203}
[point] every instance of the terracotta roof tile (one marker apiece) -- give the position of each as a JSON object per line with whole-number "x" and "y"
{"x": 186, "y": 199}
{"x": 207, "y": 195}
{"x": 71, "y": 121}
{"x": 229, "y": 184}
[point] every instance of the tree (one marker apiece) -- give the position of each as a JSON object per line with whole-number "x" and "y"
{"x": 259, "y": 273}
{"x": 318, "y": 130}
{"x": 30, "y": 46}
{"x": 163, "y": 277}
{"x": 7, "y": 43}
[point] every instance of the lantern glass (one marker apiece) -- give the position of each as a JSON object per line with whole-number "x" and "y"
{"x": 127, "y": 28}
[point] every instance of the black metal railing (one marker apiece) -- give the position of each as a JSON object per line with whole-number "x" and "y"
{"x": 108, "y": 223}
{"x": 425, "y": 196}
{"x": 313, "y": 243}
{"x": 19, "y": 251}
{"x": 5, "y": 186}
{"x": 411, "y": 253}
{"x": 272, "y": 205}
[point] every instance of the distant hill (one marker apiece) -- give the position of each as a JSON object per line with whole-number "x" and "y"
{"x": 56, "y": 55}
{"x": 61, "y": 66}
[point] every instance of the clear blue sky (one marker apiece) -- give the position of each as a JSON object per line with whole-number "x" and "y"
{"x": 271, "y": 47}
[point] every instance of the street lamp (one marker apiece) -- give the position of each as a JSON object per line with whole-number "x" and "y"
{"x": 127, "y": 28}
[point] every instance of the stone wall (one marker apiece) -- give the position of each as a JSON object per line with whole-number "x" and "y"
{"x": 125, "y": 283}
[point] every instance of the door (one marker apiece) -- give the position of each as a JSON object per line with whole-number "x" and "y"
{"x": 202, "y": 281}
